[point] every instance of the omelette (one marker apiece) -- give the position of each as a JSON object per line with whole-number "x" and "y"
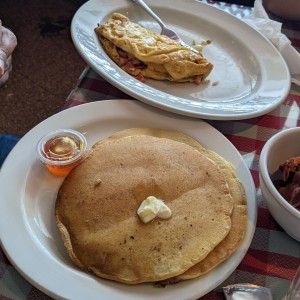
{"x": 146, "y": 54}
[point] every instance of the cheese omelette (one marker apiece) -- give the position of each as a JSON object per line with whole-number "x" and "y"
{"x": 146, "y": 54}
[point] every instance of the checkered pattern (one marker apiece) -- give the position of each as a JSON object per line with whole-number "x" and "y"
{"x": 273, "y": 256}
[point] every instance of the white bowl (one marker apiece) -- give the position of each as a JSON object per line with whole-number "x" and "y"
{"x": 280, "y": 147}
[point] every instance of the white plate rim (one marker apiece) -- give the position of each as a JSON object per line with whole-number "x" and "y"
{"x": 36, "y": 260}
{"x": 258, "y": 103}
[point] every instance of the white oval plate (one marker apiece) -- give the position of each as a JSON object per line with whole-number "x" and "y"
{"x": 252, "y": 76}
{"x": 28, "y": 191}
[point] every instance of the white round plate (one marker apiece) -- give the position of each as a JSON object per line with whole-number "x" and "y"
{"x": 251, "y": 75}
{"x": 28, "y": 191}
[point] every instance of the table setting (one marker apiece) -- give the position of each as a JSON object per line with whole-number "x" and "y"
{"x": 251, "y": 95}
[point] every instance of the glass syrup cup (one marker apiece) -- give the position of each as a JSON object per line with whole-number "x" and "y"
{"x": 294, "y": 288}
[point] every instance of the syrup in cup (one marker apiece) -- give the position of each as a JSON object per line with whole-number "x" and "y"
{"x": 61, "y": 150}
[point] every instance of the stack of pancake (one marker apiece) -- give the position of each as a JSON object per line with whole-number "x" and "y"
{"x": 96, "y": 208}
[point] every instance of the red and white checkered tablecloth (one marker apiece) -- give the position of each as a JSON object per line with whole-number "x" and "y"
{"x": 273, "y": 256}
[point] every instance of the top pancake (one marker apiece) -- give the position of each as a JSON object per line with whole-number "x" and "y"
{"x": 239, "y": 215}
{"x": 97, "y": 203}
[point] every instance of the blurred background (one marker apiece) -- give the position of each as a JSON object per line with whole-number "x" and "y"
{"x": 45, "y": 62}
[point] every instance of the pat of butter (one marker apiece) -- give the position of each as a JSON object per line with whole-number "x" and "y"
{"x": 152, "y": 207}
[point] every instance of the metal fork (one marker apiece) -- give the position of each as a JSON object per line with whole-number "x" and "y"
{"x": 164, "y": 29}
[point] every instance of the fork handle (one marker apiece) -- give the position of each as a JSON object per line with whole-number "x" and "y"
{"x": 143, "y": 5}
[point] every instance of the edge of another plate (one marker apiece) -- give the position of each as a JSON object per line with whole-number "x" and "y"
{"x": 264, "y": 97}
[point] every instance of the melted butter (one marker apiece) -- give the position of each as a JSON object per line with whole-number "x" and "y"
{"x": 61, "y": 148}
{"x": 153, "y": 207}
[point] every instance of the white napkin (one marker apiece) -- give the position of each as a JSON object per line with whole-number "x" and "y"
{"x": 272, "y": 30}
{"x": 8, "y": 42}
